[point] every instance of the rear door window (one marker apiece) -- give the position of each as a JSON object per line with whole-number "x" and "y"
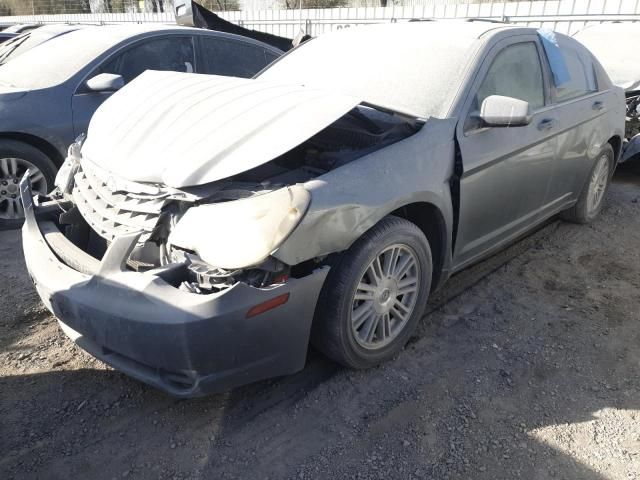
{"x": 232, "y": 58}
{"x": 172, "y": 53}
{"x": 582, "y": 79}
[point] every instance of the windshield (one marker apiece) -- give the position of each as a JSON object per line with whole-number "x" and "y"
{"x": 413, "y": 68}
{"x": 57, "y": 60}
{"x": 20, "y": 44}
{"x": 13, "y": 45}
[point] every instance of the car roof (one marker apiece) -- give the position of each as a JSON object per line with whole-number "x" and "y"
{"x": 615, "y": 28}
{"x": 119, "y": 32}
{"x": 60, "y": 27}
{"x": 470, "y": 29}
{"x": 113, "y": 34}
{"x": 22, "y": 27}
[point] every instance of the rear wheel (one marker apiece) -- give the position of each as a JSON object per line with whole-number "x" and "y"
{"x": 591, "y": 198}
{"x": 375, "y": 295}
{"x": 15, "y": 159}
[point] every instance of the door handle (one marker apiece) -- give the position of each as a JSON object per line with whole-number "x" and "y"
{"x": 597, "y": 105}
{"x": 546, "y": 124}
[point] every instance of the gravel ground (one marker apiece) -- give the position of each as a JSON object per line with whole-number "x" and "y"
{"x": 526, "y": 367}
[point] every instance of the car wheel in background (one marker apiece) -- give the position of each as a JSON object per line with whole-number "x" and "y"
{"x": 15, "y": 159}
{"x": 591, "y": 198}
{"x": 374, "y": 295}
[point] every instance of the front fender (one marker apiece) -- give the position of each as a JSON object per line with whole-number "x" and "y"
{"x": 348, "y": 201}
{"x": 44, "y": 115}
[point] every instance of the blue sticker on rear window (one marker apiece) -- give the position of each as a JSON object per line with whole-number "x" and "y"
{"x": 556, "y": 60}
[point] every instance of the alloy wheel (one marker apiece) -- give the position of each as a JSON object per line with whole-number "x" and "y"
{"x": 598, "y": 184}
{"x": 11, "y": 172}
{"x": 385, "y": 297}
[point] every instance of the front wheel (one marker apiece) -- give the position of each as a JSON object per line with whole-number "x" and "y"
{"x": 591, "y": 198}
{"x": 374, "y": 295}
{"x": 15, "y": 159}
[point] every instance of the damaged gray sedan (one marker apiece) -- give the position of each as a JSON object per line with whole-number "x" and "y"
{"x": 210, "y": 228}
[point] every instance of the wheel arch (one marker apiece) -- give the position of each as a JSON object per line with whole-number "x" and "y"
{"x": 428, "y": 218}
{"x": 37, "y": 142}
{"x": 616, "y": 144}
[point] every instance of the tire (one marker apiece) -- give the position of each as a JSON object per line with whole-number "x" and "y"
{"x": 334, "y": 333}
{"x": 15, "y": 158}
{"x": 588, "y": 207}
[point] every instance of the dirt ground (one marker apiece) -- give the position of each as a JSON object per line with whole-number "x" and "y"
{"x": 526, "y": 367}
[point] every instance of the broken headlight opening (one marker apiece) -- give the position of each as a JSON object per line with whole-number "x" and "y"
{"x": 241, "y": 233}
{"x": 218, "y": 236}
{"x": 231, "y": 241}
{"x": 203, "y": 278}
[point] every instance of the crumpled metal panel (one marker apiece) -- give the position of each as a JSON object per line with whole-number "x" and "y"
{"x": 348, "y": 201}
{"x": 113, "y": 214}
{"x": 185, "y": 129}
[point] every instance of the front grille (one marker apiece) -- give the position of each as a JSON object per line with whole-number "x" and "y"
{"x": 114, "y": 213}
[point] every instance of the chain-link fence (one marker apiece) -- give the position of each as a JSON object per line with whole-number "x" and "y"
{"x": 61, "y": 7}
{"x": 286, "y": 18}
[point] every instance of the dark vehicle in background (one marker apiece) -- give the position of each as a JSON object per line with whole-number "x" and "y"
{"x": 24, "y": 42}
{"x": 6, "y": 36}
{"x": 43, "y": 113}
{"x": 322, "y": 200}
{"x": 616, "y": 46}
{"x": 21, "y": 27}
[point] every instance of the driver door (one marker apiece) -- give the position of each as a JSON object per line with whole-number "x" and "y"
{"x": 172, "y": 53}
{"x": 506, "y": 170}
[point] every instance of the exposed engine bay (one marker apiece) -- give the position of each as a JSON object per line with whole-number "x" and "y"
{"x": 361, "y": 131}
{"x": 632, "y": 125}
{"x": 101, "y": 208}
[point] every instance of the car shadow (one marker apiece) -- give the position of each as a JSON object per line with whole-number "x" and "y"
{"x": 20, "y": 306}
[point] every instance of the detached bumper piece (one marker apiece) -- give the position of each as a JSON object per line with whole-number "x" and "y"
{"x": 184, "y": 343}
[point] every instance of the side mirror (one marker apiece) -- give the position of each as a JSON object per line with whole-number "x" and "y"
{"x": 105, "y": 82}
{"x": 499, "y": 111}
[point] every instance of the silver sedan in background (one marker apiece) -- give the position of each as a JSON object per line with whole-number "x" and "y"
{"x": 616, "y": 45}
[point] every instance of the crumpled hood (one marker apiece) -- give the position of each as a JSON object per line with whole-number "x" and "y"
{"x": 185, "y": 129}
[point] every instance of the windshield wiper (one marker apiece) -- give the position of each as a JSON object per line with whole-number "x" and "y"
{"x": 9, "y": 49}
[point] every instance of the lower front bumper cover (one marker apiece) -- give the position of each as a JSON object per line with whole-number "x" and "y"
{"x": 183, "y": 343}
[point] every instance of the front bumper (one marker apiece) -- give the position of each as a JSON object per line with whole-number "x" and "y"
{"x": 183, "y": 343}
